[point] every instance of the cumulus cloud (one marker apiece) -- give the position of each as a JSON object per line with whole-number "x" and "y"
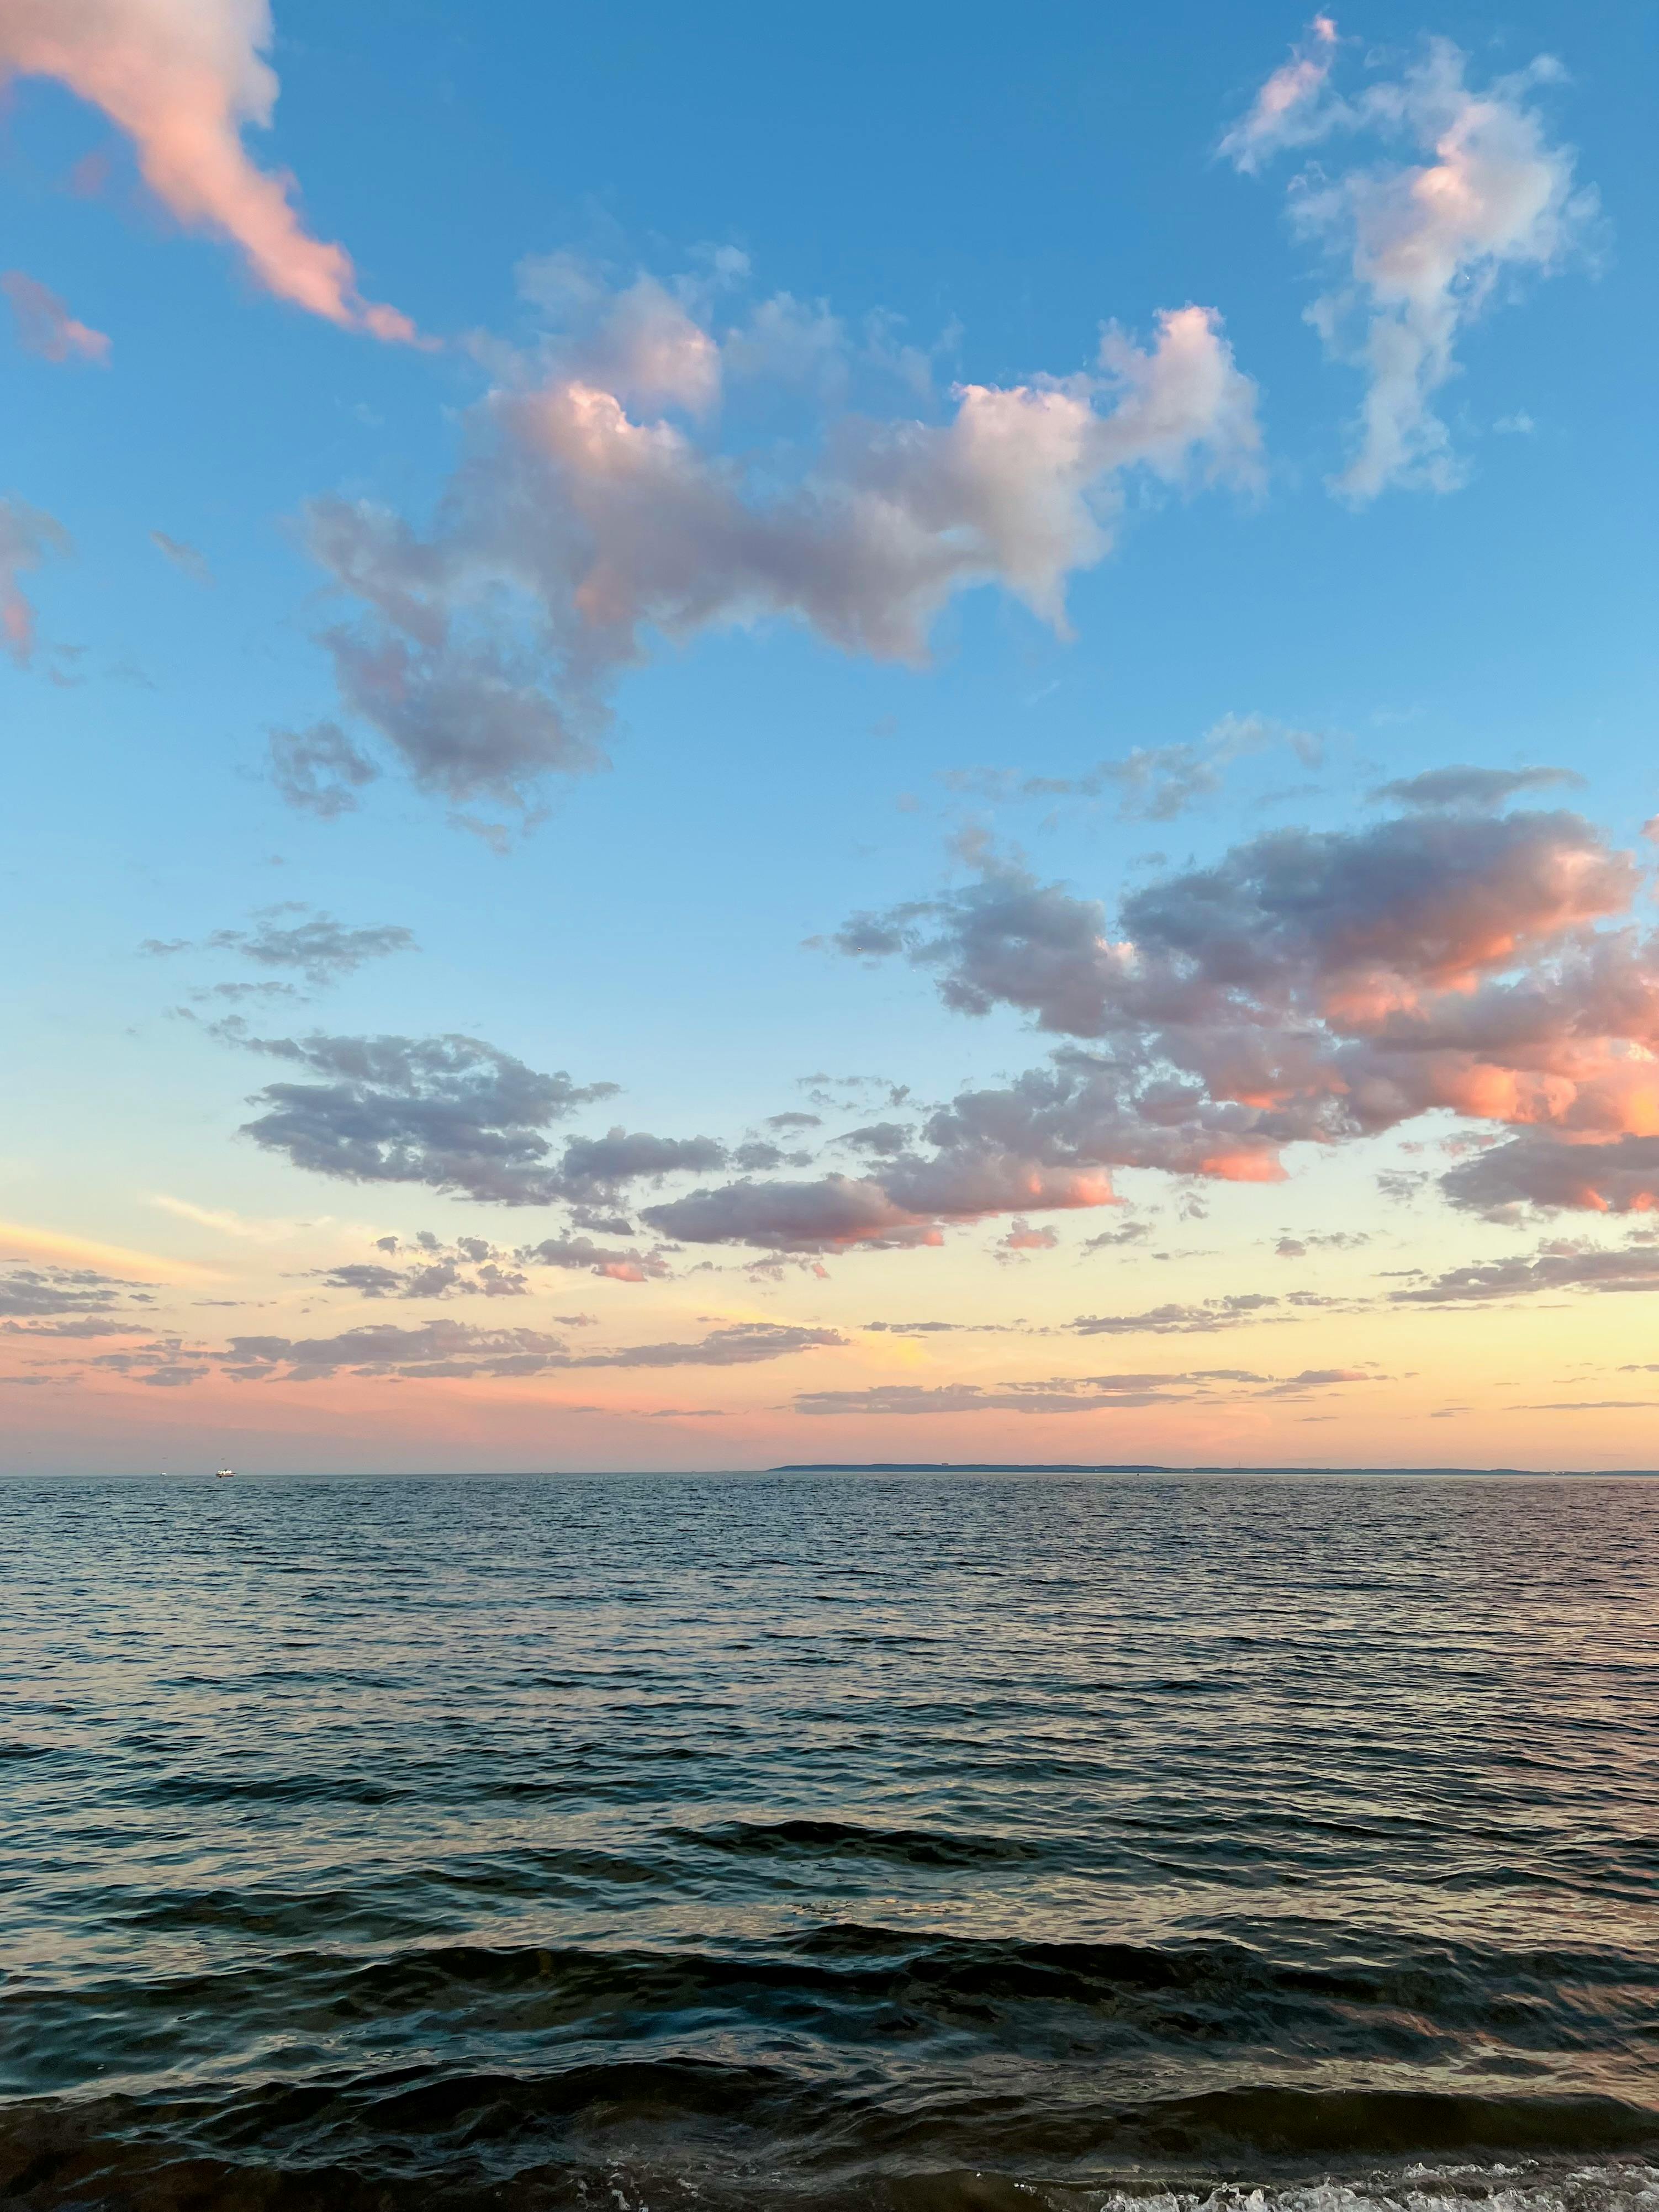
{"x": 617, "y": 1266}
{"x": 182, "y": 78}
{"x": 292, "y": 935}
{"x": 1308, "y": 987}
{"x": 27, "y": 537}
{"x": 594, "y": 514}
{"x": 44, "y": 325}
{"x": 450, "y": 1112}
{"x": 1353, "y": 974}
{"x": 1304, "y": 988}
{"x": 1427, "y": 243}
{"x": 1557, "y": 1266}
{"x": 903, "y": 1208}
{"x": 596, "y": 1168}
{"x": 1549, "y": 1173}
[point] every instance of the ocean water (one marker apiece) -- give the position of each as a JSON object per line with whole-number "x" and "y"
{"x": 1285, "y": 1842}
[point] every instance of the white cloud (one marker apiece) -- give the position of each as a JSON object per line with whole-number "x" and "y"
{"x": 1427, "y": 243}
{"x": 596, "y": 512}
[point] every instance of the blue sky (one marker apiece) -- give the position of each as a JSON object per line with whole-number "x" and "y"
{"x": 970, "y": 201}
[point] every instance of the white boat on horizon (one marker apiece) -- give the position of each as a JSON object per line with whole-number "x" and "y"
{"x": 224, "y": 1474}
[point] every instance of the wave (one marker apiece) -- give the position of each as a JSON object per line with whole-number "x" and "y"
{"x": 877, "y": 1999}
{"x": 621, "y": 2133}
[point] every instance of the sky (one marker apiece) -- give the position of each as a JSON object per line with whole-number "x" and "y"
{"x": 741, "y": 737}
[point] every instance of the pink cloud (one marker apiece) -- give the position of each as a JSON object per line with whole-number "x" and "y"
{"x": 588, "y": 522}
{"x": 1426, "y": 245}
{"x": 181, "y": 78}
{"x": 1285, "y": 113}
{"x": 45, "y": 326}
{"x": 27, "y": 536}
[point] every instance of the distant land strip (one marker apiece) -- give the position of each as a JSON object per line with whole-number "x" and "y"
{"x": 1142, "y": 1467}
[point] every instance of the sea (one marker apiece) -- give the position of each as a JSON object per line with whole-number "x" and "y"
{"x": 946, "y": 1843}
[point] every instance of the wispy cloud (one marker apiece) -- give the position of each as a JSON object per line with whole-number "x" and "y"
{"x": 185, "y": 558}
{"x": 1427, "y": 245}
{"x": 44, "y": 325}
{"x": 27, "y": 536}
{"x": 182, "y": 78}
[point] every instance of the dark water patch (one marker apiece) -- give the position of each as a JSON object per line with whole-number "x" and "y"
{"x": 904, "y": 1847}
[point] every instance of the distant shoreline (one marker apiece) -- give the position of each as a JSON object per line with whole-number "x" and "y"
{"x": 1142, "y": 1467}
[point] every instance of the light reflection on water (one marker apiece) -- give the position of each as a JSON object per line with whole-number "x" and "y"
{"x": 821, "y": 1832}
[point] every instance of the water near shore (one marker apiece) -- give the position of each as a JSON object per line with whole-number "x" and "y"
{"x": 829, "y": 1840}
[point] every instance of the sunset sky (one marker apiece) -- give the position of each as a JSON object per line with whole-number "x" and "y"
{"x": 743, "y": 735}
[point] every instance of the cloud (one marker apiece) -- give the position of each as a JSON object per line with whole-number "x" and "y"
{"x": 165, "y": 1363}
{"x": 881, "y": 1138}
{"x": 902, "y": 1208}
{"x": 1479, "y": 789}
{"x": 617, "y": 1267}
{"x": 1306, "y": 987}
{"x": 1086, "y": 1394}
{"x": 450, "y": 1112}
{"x": 593, "y": 1168}
{"x": 739, "y": 1346}
{"x": 1560, "y": 1267}
{"x": 185, "y": 558}
{"x": 1022, "y": 1238}
{"x": 1286, "y": 112}
{"x": 44, "y": 325}
{"x": 1310, "y": 984}
{"x": 181, "y": 78}
{"x": 1133, "y": 1232}
{"x": 318, "y": 947}
{"x": 826, "y": 1216}
{"x": 318, "y": 770}
{"x": 1179, "y": 1319}
{"x": 32, "y": 1296}
{"x": 1151, "y": 783}
{"x": 592, "y": 516}
{"x": 1553, "y": 1173}
{"x": 434, "y": 1277}
{"x": 473, "y": 1266}
{"x": 27, "y": 537}
{"x": 268, "y": 1231}
{"x": 945, "y": 1327}
{"x": 439, "y": 1349}
{"x": 1427, "y": 245}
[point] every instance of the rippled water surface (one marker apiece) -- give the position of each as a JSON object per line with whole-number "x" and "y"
{"x": 829, "y": 1839}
